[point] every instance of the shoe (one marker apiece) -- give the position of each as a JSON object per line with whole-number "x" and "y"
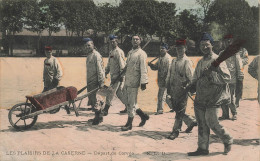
{"x": 223, "y": 118}
{"x": 98, "y": 118}
{"x": 188, "y": 130}
{"x": 198, "y": 152}
{"x": 173, "y": 135}
{"x": 171, "y": 110}
{"x": 67, "y": 109}
{"x": 227, "y": 148}
{"x": 144, "y": 117}
{"x": 234, "y": 117}
{"x": 158, "y": 113}
{"x": 91, "y": 109}
{"x": 124, "y": 111}
{"x": 105, "y": 111}
{"x": 128, "y": 125}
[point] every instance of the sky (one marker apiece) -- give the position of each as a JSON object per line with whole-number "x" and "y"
{"x": 180, "y": 4}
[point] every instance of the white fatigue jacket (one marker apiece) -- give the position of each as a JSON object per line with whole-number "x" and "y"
{"x": 211, "y": 90}
{"x": 244, "y": 56}
{"x": 52, "y": 69}
{"x": 235, "y": 67}
{"x": 253, "y": 68}
{"x": 179, "y": 75}
{"x": 95, "y": 70}
{"x": 116, "y": 63}
{"x": 136, "y": 71}
{"x": 162, "y": 65}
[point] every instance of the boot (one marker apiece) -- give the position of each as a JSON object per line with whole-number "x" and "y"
{"x": 67, "y": 109}
{"x": 227, "y": 148}
{"x": 143, "y": 116}
{"x": 124, "y": 111}
{"x": 198, "y": 152}
{"x": 105, "y": 111}
{"x": 128, "y": 125}
{"x": 188, "y": 130}
{"x": 173, "y": 135}
{"x": 98, "y": 118}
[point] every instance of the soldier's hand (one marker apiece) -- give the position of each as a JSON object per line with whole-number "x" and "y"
{"x": 240, "y": 78}
{"x": 101, "y": 85}
{"x": 143, "y": 86}
{"x": 206, "y": 72}
{"x": 121, "y": 79}
{"x": 55, "y": 82}
{"x": 122, "y": 85}
{"x": 168, "y": 91}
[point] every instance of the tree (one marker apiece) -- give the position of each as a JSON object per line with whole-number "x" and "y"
{"x": 138, "y": 17}
{"x": 205, "y": 4}
{"x": 235, "y": 17}
{"x": 107, "y": 20}
{"x": 34, "y": 18}
{"x": 11, "y": 20}
{"x": 53, "y": 15}
{"x": 166, "y": 19}
{"x": 79, "y": 16}
{"x": 188, "y": 25}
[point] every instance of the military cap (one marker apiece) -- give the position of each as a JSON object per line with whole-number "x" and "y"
{"x": 112, "y": 37}
{"x": 180, "y": 42}
{"x": 228, "y": 36}
{"x": 164, "y": 45}
{"x": 48, "y": 48}
{"x": 206, "y": 36}
{"x": 87, "y": 39}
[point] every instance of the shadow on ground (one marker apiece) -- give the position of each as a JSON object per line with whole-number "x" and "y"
{"x": 163, "y": 156}
{"x": 156, "y": 135}
{"x": 242, "y": 142}
{"x": 48, "y": 125}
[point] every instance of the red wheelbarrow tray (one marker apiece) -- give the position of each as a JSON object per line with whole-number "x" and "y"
{"x": 53, "y": 97}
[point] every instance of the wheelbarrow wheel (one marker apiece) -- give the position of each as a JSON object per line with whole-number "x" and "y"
{"x": 17, "y": 112}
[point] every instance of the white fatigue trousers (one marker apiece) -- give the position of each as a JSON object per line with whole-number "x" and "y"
{"x": 161, "y": 97}
{"x": 232, "y": 105}
{"x": 131, "y": 100}
{"x": 207, "y": 119}
{"x": 118, "y": 91}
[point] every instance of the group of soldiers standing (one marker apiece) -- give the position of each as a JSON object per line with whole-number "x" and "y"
{"x": 215, "y": 85}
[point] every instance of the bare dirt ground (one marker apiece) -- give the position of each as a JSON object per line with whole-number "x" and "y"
{"x": 67, "y": 137}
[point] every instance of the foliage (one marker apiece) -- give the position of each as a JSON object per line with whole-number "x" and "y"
{"x": 235, "y": 17}
{"x": 188, "y": 25}
{"x": 79, "y": 16}
{"x": 53, "y": 14}
{"x": 11, "y": 16}
{"x": 138, "y": 17}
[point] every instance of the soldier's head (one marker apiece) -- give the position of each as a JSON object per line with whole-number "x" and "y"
{"x": 48, "y": 51}
{"x": 180, "y": 47}
{"x": 113, "y": 39}
{"x": 163, "y": 49}
{"x": 206, "y": 43}
{"x": 89, "y": 45}
{"x": 228, "y": 40}
{"x": 136, "y": 41}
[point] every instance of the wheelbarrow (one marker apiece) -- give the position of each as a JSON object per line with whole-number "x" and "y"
{"x": 23, "y": 116}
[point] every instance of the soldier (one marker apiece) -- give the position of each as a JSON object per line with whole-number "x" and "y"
{"x": 239, "y": 86}
{"x": 52, "y": 71}
{"x": 210, "y": 84}
{"x": 136, "y": 75}
{"x": 234, "y": 64}
{"x": 115, "y": 66}
{"x": 253, "y": 70}
{"x": 179, "y": 75}
{"x": 95, "y": 78}
{"x": 162, "y": 65}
